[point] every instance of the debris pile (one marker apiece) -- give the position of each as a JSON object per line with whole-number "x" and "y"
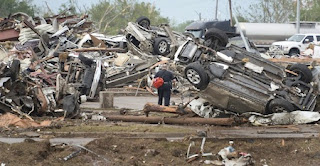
{"x": 54, "y": 64}
{"x": 57, "y": 63}
{"x": 33, "y": 76}
{"x": 227, "y": 156}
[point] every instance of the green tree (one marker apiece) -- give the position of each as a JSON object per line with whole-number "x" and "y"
{"x": 12, "y": 6}
{"x": 112, "y": 15}
{"x": 269, "y": 11}
{"x": 310, "y": 10}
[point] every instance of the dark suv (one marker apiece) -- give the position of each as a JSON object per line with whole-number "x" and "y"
{"x": 240, "y": 81}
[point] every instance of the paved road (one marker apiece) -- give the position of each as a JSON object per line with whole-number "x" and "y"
{"x": 132, "y": 102}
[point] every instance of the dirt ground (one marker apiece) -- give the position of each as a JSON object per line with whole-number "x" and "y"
{"x": 124, "y": 151}
{"x": 120, "y": 143}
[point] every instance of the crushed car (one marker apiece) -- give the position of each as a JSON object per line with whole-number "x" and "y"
{"x": 239, "y": 81}
{"x": 154, "y": 40}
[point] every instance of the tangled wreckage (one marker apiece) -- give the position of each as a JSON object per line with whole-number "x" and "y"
{"x": 59, "y": 64}
{"x": 239, "y": 81}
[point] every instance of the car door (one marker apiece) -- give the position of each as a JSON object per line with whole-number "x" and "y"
{"x": 306, "y": 41}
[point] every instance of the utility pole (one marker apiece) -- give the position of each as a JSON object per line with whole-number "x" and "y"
{"x": 230, "y": 8}
{"x": 298, "y": 16}
{"x": 217, "y": 1}
{"x": 199, "y": 16}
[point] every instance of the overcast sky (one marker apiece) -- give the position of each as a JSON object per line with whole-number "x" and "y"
{"x": 177, "y": 10}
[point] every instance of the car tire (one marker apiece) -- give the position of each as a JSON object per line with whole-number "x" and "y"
{"x": 215, "y": 39}
{"x": 279, "y": 106}
{"x": 294, "y": 51}
{"x": 303, "y": 71}
{"x": 144, "y": 22}
{"x": 161, "y": 46}
{"x": 196, "y": 75}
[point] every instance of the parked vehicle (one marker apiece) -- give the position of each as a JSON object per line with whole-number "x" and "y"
{"x": 297, "y": 43}
{"x": 240, "y": 81}
{"x": 216, "y": 33}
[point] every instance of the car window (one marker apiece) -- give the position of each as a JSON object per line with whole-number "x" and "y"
{"x": 310, "y": 39}
{"x": 296, "y": 38}
{"x": 195, "y": 33}
{"x": 318, "y": 38}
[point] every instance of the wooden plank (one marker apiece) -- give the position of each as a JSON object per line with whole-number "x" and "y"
{"x": 9, "y": 34}
{"x": 295, "y": 60}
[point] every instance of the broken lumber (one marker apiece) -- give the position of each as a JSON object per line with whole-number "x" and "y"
{"x": 150, "y": 107}
{"x": 295, "y": 60}
{"x": 157, "y": 120}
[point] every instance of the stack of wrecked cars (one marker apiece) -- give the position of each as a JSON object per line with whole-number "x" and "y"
{"x": 58, "y": 63}
{"x": 235, "y": 80}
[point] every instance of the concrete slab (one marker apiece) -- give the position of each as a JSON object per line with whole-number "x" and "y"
{"x": 131, "y": 102}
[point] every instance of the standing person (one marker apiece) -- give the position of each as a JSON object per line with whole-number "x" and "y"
{"x": 165, "y": 90}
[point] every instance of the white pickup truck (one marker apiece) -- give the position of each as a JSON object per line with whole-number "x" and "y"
{"x": 297, "y": 43}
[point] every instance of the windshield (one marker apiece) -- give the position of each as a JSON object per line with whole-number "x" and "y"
{"x": 296, "y": 38}
{"x": 196, "y": 33}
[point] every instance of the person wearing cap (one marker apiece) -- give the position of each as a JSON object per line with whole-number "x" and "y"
{"x": 165, "y": 90}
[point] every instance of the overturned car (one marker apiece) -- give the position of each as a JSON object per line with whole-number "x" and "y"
{"x": 155, "y": 40}
{"x": 240, "y": 81}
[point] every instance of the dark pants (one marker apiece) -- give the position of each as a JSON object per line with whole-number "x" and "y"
{"x": 164, "y": 92}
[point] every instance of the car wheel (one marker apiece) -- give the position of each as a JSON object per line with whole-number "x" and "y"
{"x": 294, "y": 51}
{"x": 279, "y": 106}
{"x": 215, "y": 39}
{"x": 196, "y": 75}
{"x": 303, "y": 71}
{"x": 161, "y": 46}
{"x": 144, "y": 22}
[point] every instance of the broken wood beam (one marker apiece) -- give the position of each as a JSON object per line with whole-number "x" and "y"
{"x": 150, "y": 107}
{"x": 295, "y": 60}
{"x": 157, "y": 120}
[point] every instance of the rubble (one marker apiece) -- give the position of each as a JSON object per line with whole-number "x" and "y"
{"x": 57, "y": 63}
{"x": 9, "y": 119}
{"x": 228, "y": 156}
{"x": 49, "y": 66}
{"x": 288, "y": 118}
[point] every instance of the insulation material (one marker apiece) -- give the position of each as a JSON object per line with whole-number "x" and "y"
{"x": 253, "y": 67}
{"x": 295, "y": 117}
{"x": 9, "y": 119}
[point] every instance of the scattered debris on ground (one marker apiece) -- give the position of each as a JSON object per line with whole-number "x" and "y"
{"x": 50, "y": 66}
